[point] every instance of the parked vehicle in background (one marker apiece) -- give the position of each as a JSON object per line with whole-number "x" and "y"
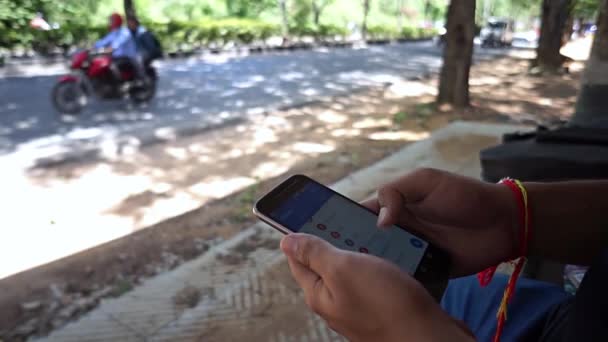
{"x": 497, "y": 33}
{"x": 526, "y": 39}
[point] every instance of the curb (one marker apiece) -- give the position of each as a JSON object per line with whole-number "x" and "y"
{"x": 26, "y": 61}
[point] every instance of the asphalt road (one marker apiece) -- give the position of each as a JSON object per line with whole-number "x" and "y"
{"x": 206, "y": 90}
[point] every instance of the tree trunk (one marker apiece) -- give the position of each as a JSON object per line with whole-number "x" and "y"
{"x": 454, "y": 78}
{"x": 284, "y": 18}
{"x": 316, "y": 13}
{"x": 400, "y": 8}
{"x": 364, "y": 23}
{"x": 568, "y": 28}
{"x": 129, "y": 9}
{"x": 592, "y": 103}
{"x": 555, "y": 13}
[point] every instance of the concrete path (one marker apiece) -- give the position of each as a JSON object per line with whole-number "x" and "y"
{"x": 241, "y": 290}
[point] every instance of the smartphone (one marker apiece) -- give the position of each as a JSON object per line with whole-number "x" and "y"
{"x": 303, "y": 205}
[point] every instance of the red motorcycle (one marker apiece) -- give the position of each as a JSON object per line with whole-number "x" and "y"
{"x": 92, "y": 75}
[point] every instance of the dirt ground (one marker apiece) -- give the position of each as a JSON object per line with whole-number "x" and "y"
{"x": 215, "y": 177}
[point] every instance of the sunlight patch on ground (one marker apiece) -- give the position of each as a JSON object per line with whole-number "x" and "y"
{"x": 310, "y": 147}
{"x": 249, "y": 82}
{"x": 399, "y": 135}
{"x": 485, "y": 80}
{"x": 372, "y": 123}
{"x": 57, "y": 236}
{"x": 309, "y": 92}
{"x": 345, "y": 132}
{"x": 281, "y": 154}
{"x": 264, "y": 135}
{"x": 217, "y": 187}
{"x": 271, "y": 169}
{"x": 167, "y": 133}
{"x": 332, "y": 117}
{"x": 403, "y": 89}
{"x": 198, "y": 148}
{"x": 177, "y": 153}
{"x": 292, "y": 76}
{"x": 235, "y": 153}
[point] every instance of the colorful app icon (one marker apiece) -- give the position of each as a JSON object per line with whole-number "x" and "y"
{"x": 416, "y": 243}
{"x": 349, "y": 242}
{"x": 363, "y": 250}
{"x": 335, "y": 235}
{"x": 321, "y": 226}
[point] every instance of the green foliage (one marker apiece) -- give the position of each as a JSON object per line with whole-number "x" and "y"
{"x": 399, "y": 117}
{"x": 301, "y": 13}
{"x": 586, "y": 9}
{"x": 248, "y": 8}
{"x": 177, "y": 35}
{"x": 182, "y": 24}
{"x": 320, "y": 31}
{"x": 392, "y": 32}
{"x": 382, "y": 32}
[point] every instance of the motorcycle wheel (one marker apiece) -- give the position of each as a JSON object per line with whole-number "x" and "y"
{"x": 69, "y": 97}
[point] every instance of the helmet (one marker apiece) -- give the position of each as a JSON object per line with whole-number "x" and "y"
{"x": 115, "y": 21}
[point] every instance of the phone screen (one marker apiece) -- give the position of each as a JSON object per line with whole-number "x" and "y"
{"x": 317, "y": 210}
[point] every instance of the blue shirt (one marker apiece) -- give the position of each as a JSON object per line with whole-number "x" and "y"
{"x": 121, "y": 41}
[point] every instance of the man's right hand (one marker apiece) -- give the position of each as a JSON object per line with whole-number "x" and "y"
{"x": 475, "y": 222}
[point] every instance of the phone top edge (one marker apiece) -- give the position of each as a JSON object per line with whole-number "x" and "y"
{"x": 272, "y": 222}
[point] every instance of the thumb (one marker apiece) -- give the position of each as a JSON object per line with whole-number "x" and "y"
{"x": 310, "y": 251}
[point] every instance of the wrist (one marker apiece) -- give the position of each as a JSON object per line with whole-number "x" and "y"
{"x": 508, "y": 220}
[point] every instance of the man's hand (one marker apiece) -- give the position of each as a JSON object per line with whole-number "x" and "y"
{"x": 475, "y": 222}
{"x": 365, "y": 298}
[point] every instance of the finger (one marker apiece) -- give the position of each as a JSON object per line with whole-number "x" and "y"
{"x": 310, "y": 251}
{"x": 391, "y": 204}
{"x": 409, "y": 189}
{"x": 372, "y": 204}
{"x": 306, "y": 278}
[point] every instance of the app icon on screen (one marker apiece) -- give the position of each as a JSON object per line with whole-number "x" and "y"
{"x": 416, "y": 243}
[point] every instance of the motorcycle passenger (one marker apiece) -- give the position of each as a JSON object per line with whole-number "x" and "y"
{"x": 137, "y": 32}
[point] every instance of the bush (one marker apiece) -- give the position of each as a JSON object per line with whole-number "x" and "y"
{"x": 319, "y": 32}
{"x": 183, "y": 35}
{"x": 382, "y": 32}
{"x": 407, "y": 32}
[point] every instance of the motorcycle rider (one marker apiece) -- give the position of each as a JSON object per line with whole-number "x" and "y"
{"x": 121, "y": 44}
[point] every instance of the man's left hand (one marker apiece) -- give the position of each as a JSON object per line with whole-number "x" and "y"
{"x": 365, "y": 298}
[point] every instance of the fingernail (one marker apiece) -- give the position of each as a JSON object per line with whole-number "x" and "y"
{"x": 289, "y": 244}
{"x": 381, "y": 216}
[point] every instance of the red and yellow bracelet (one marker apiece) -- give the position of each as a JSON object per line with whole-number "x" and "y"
{"x": 521, "y": 197}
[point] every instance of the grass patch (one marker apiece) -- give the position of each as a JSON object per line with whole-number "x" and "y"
{"x": 245, "y": 202}
{"x": 425, "y": 109}
{"x": 399, "y": 118}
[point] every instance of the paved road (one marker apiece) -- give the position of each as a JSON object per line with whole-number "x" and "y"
{"x": 204, "y": 91}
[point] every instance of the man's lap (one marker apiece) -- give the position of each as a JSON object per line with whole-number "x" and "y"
{"x": 466, "y": 300}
